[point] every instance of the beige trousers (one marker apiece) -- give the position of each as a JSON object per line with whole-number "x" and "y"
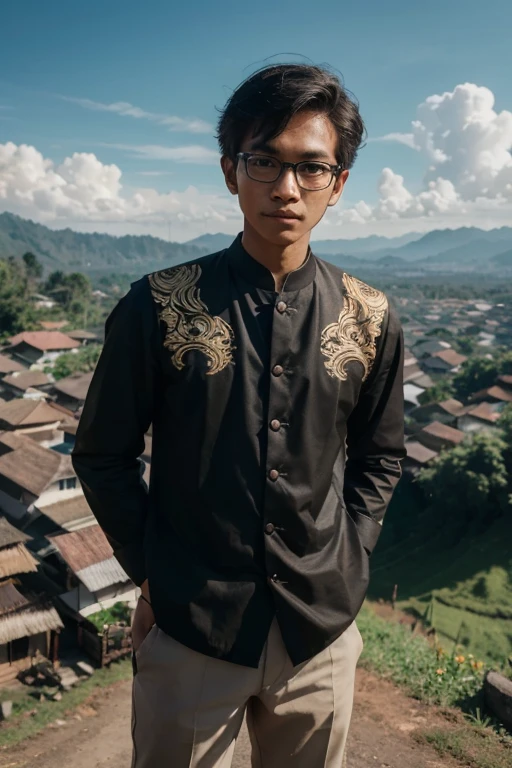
{"x": 188, "y": 708}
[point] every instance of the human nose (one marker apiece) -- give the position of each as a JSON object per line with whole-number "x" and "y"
{"x": 286, "y": 186}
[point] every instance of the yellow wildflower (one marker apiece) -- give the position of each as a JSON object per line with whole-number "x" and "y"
{"x": 439, "y": 671}
{"x": 460, "y": 659}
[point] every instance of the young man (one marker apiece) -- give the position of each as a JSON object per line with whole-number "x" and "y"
{"x": 273, "y": 383}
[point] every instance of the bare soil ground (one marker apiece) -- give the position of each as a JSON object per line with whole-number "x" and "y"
{"x": 97, "y": 734}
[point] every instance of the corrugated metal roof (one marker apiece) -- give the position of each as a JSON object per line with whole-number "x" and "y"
{"x": 102, "y": 575}
{"x": 83, "y": 548}
{"x": 31, "y": 466}
{"x": 68, "y": 510}
{"x": 443, "y": 431}
{"x": 418, "y": 452}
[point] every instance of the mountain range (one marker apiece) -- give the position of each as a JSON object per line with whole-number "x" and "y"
{"x": 65, "y": 249}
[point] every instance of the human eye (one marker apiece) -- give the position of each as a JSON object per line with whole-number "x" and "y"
{"x": 259, "y": 161}
{"x": 314, "y": 169}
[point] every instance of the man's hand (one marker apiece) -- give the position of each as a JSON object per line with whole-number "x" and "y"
{"x": 143, "y": 619}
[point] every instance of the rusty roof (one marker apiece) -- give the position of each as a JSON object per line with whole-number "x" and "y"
{"x": 8, "y": 366}
{"x": 45, "y": 341}
{"x": 484, "y": 412}
{"x": 83, "y": 548}
{"x": 74, "y": 386}
{"x": 443, "y": 431}
{"x": 30, "y": 465}
{"x": 451, "y": 406}
{"x": 418, "y": 452}
{"x": 67, "y": 511}
{"x": 450, "y": 356}
{"x": 22, "y": 380}
{"x": 25, "y": 412}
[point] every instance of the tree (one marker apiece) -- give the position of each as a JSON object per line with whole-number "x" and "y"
{"x": 441, "y": 390}
{"x": 479, "y": 373}
{"x": 32, "y": 266}
{"x": 16, "y": 312}
{"x": 467, "y": 486}
{"x": 82, "y": 361}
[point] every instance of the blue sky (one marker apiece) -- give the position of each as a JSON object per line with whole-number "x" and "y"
{"x": 115, "y": 102}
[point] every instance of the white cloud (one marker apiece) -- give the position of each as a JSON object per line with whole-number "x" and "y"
{"x": 465, "y": 143}
{"x": 467, "y": 149}
{"x": 193, "y": 153}
{"x": 82, "y": 190}
{"x": 400, "y": 138}
{"x": 124, "y": 108}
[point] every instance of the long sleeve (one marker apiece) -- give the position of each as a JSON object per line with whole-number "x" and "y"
{"x": 375, "y": 436}
{"x": 110, "y": 437}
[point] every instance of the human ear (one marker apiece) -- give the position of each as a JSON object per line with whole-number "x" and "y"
{"x": 338, "y": 187}
{"x": 229, "y": 171}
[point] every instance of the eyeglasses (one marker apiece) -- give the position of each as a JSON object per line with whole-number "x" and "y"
{"x": 311, "y": 175}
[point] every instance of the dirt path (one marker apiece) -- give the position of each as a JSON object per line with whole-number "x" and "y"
{"x": 98, "y": 734}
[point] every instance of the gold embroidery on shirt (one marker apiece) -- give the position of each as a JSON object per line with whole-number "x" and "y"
{"x": 352, "y": 337}
{"x": 189, "y": 324}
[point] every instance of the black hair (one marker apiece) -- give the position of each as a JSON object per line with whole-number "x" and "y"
{"x": 266, "y": 101}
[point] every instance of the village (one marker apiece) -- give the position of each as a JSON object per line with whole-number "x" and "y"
{"x": 65, "y": 602}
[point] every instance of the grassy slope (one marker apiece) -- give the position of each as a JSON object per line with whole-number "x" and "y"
{"x": 461, "y": 585}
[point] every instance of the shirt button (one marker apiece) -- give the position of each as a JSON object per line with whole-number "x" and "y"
{"x": 277, "y": 370}
{"x": 273, "y": 474}
{"x": 270, "y": 528}
{"x": 281, "y": 306}
{"x": 275, "y": 424}
{"x": 272, "y": 579}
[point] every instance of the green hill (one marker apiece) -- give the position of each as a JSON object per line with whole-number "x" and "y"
{"x": 459, "y": 585}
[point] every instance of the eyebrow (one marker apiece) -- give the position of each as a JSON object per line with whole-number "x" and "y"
{"x": 310, "y": 154}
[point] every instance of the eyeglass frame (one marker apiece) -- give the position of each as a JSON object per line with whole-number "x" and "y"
{"x": 335, "y": 169}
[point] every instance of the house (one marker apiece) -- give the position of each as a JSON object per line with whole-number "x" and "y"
{"x": 412, "y": 372}
{"x": 37, "y": 418}
{"x": 436, "y": 365}
{"x": 28, "y": 626}
{"x": 14, "y": 555}
{"x": 40, "y": 347}
{"x": 425, "y": 349}
{"x": 411, "y": 395}
{"x": 494, "y": 394}
{"x": 18, "y": 383}
{"x": 417, "y": 456}
{"x": 52, "y": 325}
{"x": 424, "y": 381}
{"x": 479, "y": 418}
{"x": 72, "y": 391}
{"x": 445, "y": 412}
{"x": 84, "y": 337}
{"x": 95, "y": 578}
{"x": 451, "y": 357}
{"x": 66, "y": 515}
{"x": 30, "y": 473}
{"x": 41, "y": 301}
{"x": 28, "y": 621}
{"x": 437, "y": 436}
{"x": 8, "y": 365}
{"x": 505, "y": 380}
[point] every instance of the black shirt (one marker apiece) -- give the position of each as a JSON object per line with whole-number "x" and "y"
{"x": 256, "y": 399}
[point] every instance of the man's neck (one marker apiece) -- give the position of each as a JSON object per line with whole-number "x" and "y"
{"x": 278, "y": 259}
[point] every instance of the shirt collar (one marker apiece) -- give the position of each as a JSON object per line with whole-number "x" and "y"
{"x": 261, "y": 277}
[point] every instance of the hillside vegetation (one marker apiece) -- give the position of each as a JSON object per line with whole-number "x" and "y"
{"x": 446, "y": 545}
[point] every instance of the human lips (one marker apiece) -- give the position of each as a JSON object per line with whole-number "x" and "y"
{"x": 283, "y": 215}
